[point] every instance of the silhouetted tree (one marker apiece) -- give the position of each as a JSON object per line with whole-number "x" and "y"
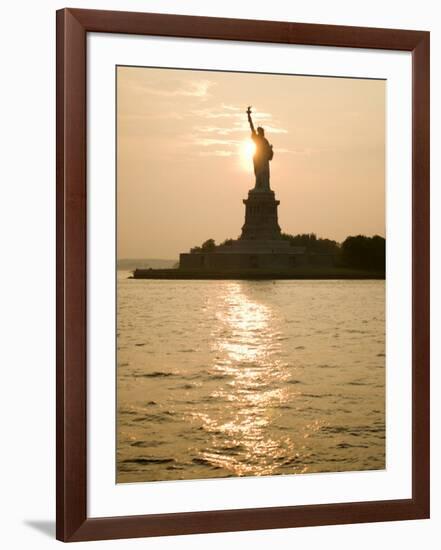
{"x": 227, "y": 242}
{"x": 364, "y": 252}
{"x": 359, "y": 252}
{"x": 312, "y": 243}
{"x": 208, "y": 245}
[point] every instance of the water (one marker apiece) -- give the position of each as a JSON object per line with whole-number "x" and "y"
{"x": 239, "y": 378}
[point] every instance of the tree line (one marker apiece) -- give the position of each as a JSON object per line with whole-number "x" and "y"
{"x": 359, "y": 252}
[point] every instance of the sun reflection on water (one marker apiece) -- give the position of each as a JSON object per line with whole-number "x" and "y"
{"x": 240, "y": 378}
{"x": 246, "y": 347}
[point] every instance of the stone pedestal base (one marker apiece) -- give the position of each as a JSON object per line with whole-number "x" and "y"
{"x": 260, "y": 216}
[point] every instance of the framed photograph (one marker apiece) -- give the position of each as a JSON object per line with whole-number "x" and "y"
{"x": 242, "y": 274}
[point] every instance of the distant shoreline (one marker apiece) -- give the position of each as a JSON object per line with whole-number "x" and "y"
{"x": 301, "y": 273}
{"x": 130, "y": 264}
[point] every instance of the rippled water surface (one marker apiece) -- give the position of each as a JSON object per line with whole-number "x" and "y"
{"x": 236, "y": 378}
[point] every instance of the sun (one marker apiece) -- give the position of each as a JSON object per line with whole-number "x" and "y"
{"x": 247, "y": 150}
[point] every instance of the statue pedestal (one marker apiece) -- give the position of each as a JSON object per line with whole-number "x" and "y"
{"x": 260, "y": 216}
{"x": 259, "y": 249}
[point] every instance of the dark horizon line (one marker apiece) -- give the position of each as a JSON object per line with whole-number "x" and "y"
{"x": 146, "y": 258}
{"x": 119, "y": 259}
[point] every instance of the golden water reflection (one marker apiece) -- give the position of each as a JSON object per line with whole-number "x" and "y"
{"x": 247, "y": 344}
{"x": 226, "y": 378}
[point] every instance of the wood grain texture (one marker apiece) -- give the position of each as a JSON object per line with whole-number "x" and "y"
{"x": 71, "y": 276}
{"x": 246, "y": 30}
{"x": 71, "y": 506}
{"x": 421, "y": 274}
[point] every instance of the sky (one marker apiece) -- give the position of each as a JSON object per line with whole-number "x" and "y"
{"x": 184, "y": 156}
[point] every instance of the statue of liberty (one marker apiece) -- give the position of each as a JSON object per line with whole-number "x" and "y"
{"x": 262, "y": 156}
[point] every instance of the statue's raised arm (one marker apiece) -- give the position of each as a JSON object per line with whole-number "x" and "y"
{"x": 250, "y": 120}
{"x": 263, "y": 154}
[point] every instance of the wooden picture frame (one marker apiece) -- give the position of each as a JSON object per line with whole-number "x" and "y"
{"x": 73, "y": 524}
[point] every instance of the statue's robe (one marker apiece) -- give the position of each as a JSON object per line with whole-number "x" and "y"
{"x": 261, "y": 160}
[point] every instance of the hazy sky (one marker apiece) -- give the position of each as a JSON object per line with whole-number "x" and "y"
{"x": 185, "y": 164}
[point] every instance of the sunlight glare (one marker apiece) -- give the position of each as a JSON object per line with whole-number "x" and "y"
{"x": 247, "y": 150}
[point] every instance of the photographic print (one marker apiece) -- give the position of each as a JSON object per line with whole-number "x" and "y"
{"x": 250, "y": 274}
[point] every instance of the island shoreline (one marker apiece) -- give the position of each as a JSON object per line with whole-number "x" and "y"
{"x": 303, "y": 274}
